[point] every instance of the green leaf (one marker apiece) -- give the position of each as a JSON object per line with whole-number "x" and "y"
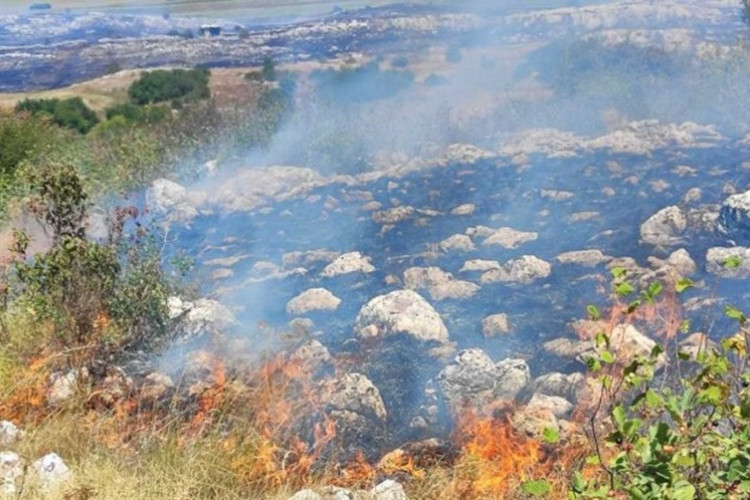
{"x": 682, "y": 490}
{"x": 538, "y": 488}
{"x": 654, "y": 289}
{"x": 593, "y": 364}
{"x": 623, "y": 289}
{"x": 618, "y": 416}
{"x": 653, "y": 400}
{"x": 683, "y": 285}
{"x": 608, "y": 357}
{"x": 732, "y": 262}
{"x": 710, "y": 395}
{"x": 735, "y": 313}
{"x": 618, "y": 272}
{"x": 593, "y": 312}
{"x": 550, "y": 435}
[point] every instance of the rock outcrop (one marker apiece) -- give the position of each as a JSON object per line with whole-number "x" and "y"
{"x": 400, "y": 312}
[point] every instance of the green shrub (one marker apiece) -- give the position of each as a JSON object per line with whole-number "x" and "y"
{"x": 20, "y": 137}
{"x": 78, "y": 284}
{"x": 174, "y": 85}
{"x": 269, "y": 70}
{"x": 69, "y": 113}
{"x": 681, "y": 434}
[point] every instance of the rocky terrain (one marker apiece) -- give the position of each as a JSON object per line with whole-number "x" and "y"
{"x": 455, "y": 280}
{"x": 52, "y": 50}
{"x": 463, "y": 279}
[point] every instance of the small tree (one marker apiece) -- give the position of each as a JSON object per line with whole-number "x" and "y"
{"x": 269, "y": 70}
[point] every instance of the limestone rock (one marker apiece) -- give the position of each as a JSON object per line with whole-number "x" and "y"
{"x": 474, "y": 379}
{"x": 314, "y": 299}
{"x": 355, "y": 393}
{"x": 49, "y": 472}
{"x": 11, "y": 473}
{"x": 587, "y": 258}
{"x": 665, "y": 227}
{"x": 200, "y": 317}
{"x": 465, "y": 209}
{"x": 388, "y": 490}
{"x": 440, "y": 284}
{"x": 734, "y": 217}
{"x": 9, "y": 433}
{"x": 479, "y": 265}
{"x": 352, "y": 262}
{"x": 457, "y": 242}
{"x": 525, "y": 270}
{"x": 718, "y": 257}
{"x": 400, "y": 312}
{"x": 312, "y": 354}
{"x": 560, "y": 407}
{"x": 559, "y": 384}
{"x": 306, "y": 495}
{"x": 509, "y": 238}
{"x": 495, "y": 324}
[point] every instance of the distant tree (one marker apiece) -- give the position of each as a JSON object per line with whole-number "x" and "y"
{"x": 68, "y": 113}
{"x": 175, "y": 85}
{"x": 269, "y": 69}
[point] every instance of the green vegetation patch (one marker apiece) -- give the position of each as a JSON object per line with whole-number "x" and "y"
{"x": 177, "y": 85}
{"x": 70, "y": 113}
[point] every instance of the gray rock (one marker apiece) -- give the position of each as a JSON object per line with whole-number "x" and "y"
{"x": 507, "y": 237}
{"x": 49, "y": 472}
{"x": 11, "y": 473}
{"x": 352, "y": 262}
{"x": 479, "y": 265}
{"x": 314, "y": 299}
{"x": 200, "y": 317}
{"x": 560, "y": 407}
{"x": 9, "y": 433}
{"x": 312, "y": 354}
{"x": 559, "y": 384}
{"x": 665, "y": 227}
{"x": 717, "y": 258}
{"x": 355, "y": 393}
{"x": 440, "y": 284}
{"x": 587, "y": 258}
{"x": 400, "y": 312}
{"x": 734, "y": 217}
{"x": 525, "y": 270}
{"x": 169, "y": 198}
{"x": 465, "y": 209}
{"x": 495, "y": 325}
{"x": 63, "y": 386}
{"x": 457, "y": 242}
{"x": 388, "y": 490}
{"x": 306, "y": 495}
{"x": 533, "y": 421}
{"x": 474, "y": 379}
{"x": 626, "y": 343}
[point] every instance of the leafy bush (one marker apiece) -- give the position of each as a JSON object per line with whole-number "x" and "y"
{"x": 176, "y": 85}
{"x": 20, "y": 137}
{"x": 69, "y": 113}
{"x": 678, "y": 435}
{"x": 112, "y": 295}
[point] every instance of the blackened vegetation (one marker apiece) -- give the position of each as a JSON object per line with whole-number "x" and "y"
{"x": 361, "y": 83}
